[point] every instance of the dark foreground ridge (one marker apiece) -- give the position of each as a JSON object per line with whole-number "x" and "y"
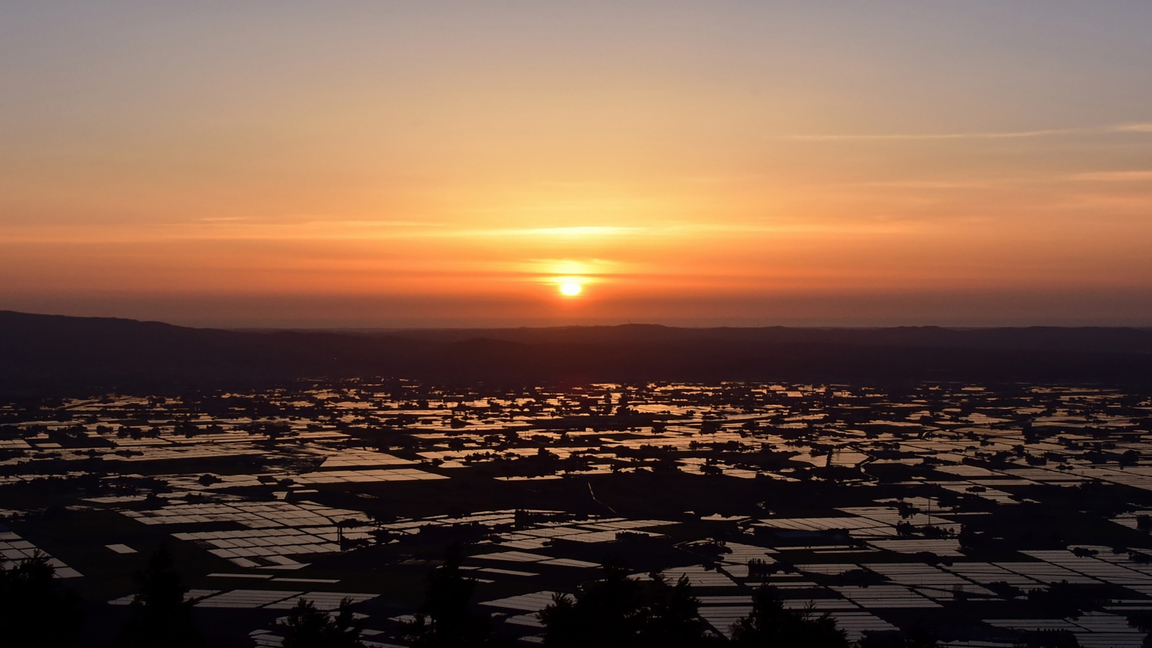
{"x": 48, "y": 352}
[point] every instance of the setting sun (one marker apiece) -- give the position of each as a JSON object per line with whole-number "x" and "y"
{"x": 457, "y": 167}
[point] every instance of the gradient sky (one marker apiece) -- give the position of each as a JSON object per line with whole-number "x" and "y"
{"x": 389, "y": 164}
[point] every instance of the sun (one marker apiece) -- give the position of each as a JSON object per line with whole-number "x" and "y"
{"x": 570, "y": 289}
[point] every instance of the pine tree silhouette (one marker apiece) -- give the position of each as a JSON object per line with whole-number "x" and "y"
{"x": 163, "y": 616}
{"x": 446, "y": 619}
{"x": 307, "y": 627}
{"x": 617, "y": 611}
{"x": 770, "y": 625}
{"x": 34, "y": 612}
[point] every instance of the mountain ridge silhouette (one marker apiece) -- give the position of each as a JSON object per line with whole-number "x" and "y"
{"x": 55, "y": 352}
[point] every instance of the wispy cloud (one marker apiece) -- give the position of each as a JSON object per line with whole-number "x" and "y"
{"x": 937, "y": 136}
{"x": 918, "y": 184}
{"x": 1134, "y": 128}
{"x": 978, "y": 135}
{"x": 556, "y": 231}
{"x": 1113, "y": 176}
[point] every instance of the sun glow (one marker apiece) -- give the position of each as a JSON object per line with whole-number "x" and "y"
{"x": 570, "y": 289}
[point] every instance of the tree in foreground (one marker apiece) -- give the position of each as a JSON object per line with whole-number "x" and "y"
{"x": 163, "y": 617}
{"x": 887, "y": 639}
{"x": 617, "y": 611}
{"x": 34, "y": 613}
{"x": 770, "y": 625}
{"x": 446, "y": 618}
{"x": 308, "y": 627}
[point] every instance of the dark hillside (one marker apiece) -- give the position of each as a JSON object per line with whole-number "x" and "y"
{"x": 45, "y": 352}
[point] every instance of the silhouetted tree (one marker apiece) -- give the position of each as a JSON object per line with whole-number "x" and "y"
{"x": 34, "y": 612}
{"x": 307, "y": 627}
{"x": 618, "y": 611}
{"x": 446, "y": 618}
{"x": 163, "y": 616}
{"x": 916, "y": 638}
{"x": 1067, "y": 599}
{"x": 770, "y": 625}
{"x": 674, "y": 616}
{"x": 1049, "y": 639}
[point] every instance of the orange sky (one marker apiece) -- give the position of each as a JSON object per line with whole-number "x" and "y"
{"x": 370, "y": 165}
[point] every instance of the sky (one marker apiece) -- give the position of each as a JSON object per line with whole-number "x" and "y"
{"x": 370, "y": 163}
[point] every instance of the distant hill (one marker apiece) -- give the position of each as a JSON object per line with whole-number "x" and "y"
{"x": 57, "y": 353}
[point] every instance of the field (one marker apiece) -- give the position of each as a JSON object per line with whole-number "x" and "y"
{"x": 980, "y": 514}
